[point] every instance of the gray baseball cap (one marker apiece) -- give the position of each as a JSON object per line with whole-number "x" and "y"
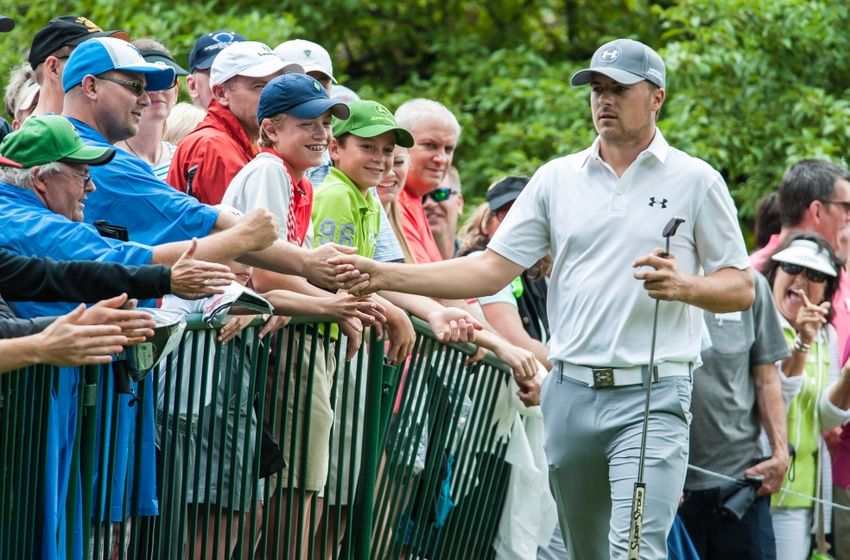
{"x": 624, "y": 61}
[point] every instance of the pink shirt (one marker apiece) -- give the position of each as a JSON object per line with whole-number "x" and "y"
{"x": 416, "y": 230}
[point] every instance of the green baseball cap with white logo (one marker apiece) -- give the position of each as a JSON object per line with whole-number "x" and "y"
{"x": 369, "y": 119}
{"x": 50, "y": 138}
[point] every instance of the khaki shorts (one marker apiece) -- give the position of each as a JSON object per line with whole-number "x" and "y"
{"x": 315, "y": 448}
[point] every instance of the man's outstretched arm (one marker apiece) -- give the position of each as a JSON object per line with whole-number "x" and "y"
{"x": 475, "y": 275}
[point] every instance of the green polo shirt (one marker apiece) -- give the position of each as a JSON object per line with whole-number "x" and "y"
{"x": 342, "y": 214}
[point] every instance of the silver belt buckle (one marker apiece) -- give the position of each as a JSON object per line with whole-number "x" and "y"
{"x": 602, "y": 377}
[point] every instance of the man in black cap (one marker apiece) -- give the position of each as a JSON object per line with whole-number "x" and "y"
{"x": 51, "y": 47}
{"x": 201, "y": 58}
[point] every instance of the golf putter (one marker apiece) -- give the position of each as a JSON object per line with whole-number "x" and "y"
{"x": 639, "y": 495}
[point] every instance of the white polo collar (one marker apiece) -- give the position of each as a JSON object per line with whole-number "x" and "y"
{"x": 658, "y": 148}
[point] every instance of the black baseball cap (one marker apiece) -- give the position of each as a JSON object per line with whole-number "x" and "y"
{"x": 158, "y": 56}
{"x": 66, "y": 30}
{"x": 6, "y": 24}
{"x": 505, "y": 191}
{"x": 208, "y": 46}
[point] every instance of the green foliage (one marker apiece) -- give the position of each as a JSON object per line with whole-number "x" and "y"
{"x": 753, "y": 85}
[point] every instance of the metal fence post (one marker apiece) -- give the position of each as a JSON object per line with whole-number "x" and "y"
{"x": 372, "y": 445}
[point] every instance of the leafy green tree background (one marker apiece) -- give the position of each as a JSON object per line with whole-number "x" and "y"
{"x": 753, "y": 85}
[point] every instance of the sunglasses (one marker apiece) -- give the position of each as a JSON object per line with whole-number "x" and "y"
{"x": 136, "y": 88}
{"x": 795, "y": 269}
{"x": 438, "y": 195}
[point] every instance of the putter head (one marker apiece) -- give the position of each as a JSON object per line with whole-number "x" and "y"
{"x": 671, "y": 227}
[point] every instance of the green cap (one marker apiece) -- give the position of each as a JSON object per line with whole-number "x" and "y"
{"x": 369, "y": 119}
{"x": 50, "y": 138}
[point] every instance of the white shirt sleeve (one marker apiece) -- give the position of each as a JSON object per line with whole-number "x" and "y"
{"x": 717, "y": 234}
{"x": 832, "y": 416}
{"x": 263, "y": 183}
{"x": 523, "y": 238}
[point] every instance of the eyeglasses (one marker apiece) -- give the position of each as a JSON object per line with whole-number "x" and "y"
{"x": 86, "y": 178}
{"x": 439, "y": 195}
{"x": 135, "y": 87}
{"x": 845, "y": 204}
{"x": 795, "y": 269}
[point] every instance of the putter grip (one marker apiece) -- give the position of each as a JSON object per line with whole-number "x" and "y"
{"x": 636, "y": 523}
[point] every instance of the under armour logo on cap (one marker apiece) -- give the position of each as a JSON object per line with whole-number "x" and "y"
{"x": 610, "y": 55}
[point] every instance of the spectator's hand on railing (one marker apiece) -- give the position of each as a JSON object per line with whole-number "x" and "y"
{"x": 452, "y": 324}
{"x": 332, "y": 266}
{"x": 520, "y": 360}
{"x": 274, "y": 323}
{"x": 400, "y": 334}
{"x": 258, "y": 229}
{"x": 233, "y": 327}
{"x": 194, "y": 279}
{"x": 135, "y": 325}
{"x": 353, "y": 330}
{"x": 357, "y": 274}
{"x": 70, "y": 342}
{"x": 477, "y": 357}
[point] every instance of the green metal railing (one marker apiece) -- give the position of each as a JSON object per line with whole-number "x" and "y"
{"x": 414, "y": 466}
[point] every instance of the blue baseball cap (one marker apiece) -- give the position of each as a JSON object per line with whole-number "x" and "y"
{"x": 299, "y": 95}
{"x": 102, "y": 54}
{"x": 208, "y": 46}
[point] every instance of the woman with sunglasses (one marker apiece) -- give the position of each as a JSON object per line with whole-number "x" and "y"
{"x": 803, "y": 275}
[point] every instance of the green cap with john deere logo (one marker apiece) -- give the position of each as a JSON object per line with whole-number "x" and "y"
{"x": 369, "y": 119}
{"x": 50, "y": 138}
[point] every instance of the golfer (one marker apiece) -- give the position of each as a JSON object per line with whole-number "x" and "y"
{"x": 601, "y": 213}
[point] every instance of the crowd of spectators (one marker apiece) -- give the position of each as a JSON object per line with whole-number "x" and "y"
{"x": 273, "y": 170}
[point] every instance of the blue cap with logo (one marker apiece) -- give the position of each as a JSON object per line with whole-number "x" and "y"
{"x": 299, "y": 95}
{"x": 103, "y": 54}
{"x": 625, "y": 61}
{"x": 208, "y": 46}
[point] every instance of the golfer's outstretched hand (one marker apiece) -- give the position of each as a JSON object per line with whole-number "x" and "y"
{"x": 353, "y": 271}
{"x": 331, "y": 266}
{"x": 666, "y": 281}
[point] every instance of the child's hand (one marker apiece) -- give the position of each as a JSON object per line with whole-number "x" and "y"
{"x": 274, "y": 323}
{"x": 451, "y": 324}
{"x": 233, "y": 327}
{"x": 365, "y": 309}
{"x": 353, "y": 330}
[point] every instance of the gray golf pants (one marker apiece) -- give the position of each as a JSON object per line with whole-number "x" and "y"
{"x": 593, "y": 448}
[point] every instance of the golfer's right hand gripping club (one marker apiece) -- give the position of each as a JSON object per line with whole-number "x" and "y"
{"x": 639, "y": 495}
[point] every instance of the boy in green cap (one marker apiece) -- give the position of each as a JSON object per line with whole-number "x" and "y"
{"x": 362, "y": 153}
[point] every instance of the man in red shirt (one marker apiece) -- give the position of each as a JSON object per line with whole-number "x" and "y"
{"x": 212, "y": 154}
{"x": 436, "y": 131}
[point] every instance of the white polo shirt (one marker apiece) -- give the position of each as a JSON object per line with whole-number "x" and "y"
{"x": 596, "y": 224}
